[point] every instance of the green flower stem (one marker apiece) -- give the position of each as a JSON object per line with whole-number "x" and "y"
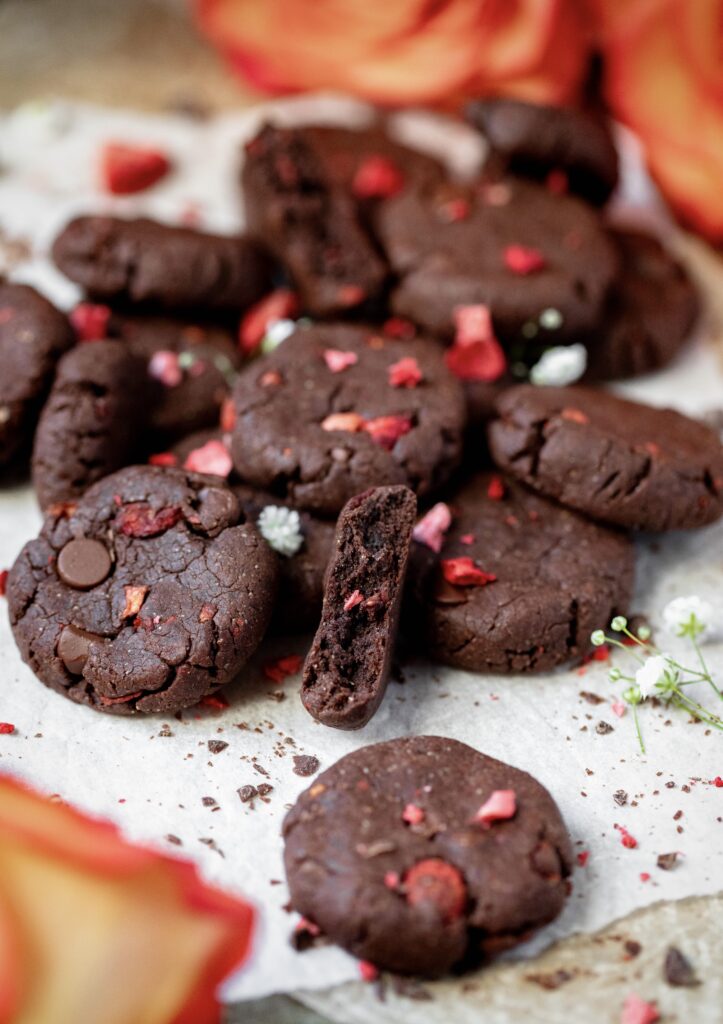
{"x": 703, "y": 665}
{"x": 637, "y": 728}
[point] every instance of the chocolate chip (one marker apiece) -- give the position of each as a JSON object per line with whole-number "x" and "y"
{"x": 216, "y": 746}
{"x": 83, "y": 563}
{"x": 678, "y": 971}
{"x": 305, "y": 764}
{"x": 667, "y": 861}
{"x": 73, "y": 648}
{"x": 247, "y": 793}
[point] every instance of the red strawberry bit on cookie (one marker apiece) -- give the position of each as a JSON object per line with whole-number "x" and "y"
{"x": 367, "y": 971}
{"x": 437, "y": 882}
{"x": 216, "y": 701}
{"x": 628, "y": 841}
{"x": 496, "y": 489}
{"x": 354, "y": 599}
{"x": 6, "y": 728}
{"x": 279, "y": 670}
{"x": 165, "y": 367}
{"x": 4, "y": 573}
{"x": 135, "y": 596}
{"x": 386, "y": 430}
{"x": 338, "y": 361}
{"x": 500, "y": 806}
{"x": 398, "y": 328}
{"x": 377, "y": 177}
{"x": 432, "y": 527}
{"x": 406, "y": 373}
{"x": 637, "y": 1011}
{"x": 140, "y": 520}
{"x": 350, "y": 422}
{"x": 350, "y": 294}
{"x": 557, "y": 182}
{"x": 392, "y": 879}
{"x": 413, "y": 815}
{"x": 282, "y": 304}
{"x": 522, "y": 259}
{"x": 227, "y": 420}
{"x": 163, "y": 459}
{"x": 476, "y": 354}
{"x": 126, "y": 169}
{"x": 90, "y": 321}
{"x": 463, "y": 572}
{"x": 212, "y": 458}
{"x": 454, "y": 210}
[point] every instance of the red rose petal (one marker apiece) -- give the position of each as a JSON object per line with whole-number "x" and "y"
{"x": 212, "y": 458}
{"x": 435, "y": 881}
{"x": 432, "y": 527}
{"x": 377, "y": 177}
{"x": 405, "y": 374}
{"x": 462, "y": 572}
{"x": 282, "y": 304}
{"x": 277, "y": 671}
{"x": 500, "y": 806}
{"x": 386, "y": 430}
{"x": 337, "y": 361}
{"x": 126, "y": 169}
{"x": 521, "y": 259}
{"x": 90, "y": 321}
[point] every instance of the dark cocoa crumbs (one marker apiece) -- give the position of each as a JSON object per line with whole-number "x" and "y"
{"x": 678, "y": 971}
{"x": 259, "y": 768}
{"x": 247, "y": 793}
{"x": 173, "y": 839}
{"x": 677, "y": 816}
{"x": 667, "y": 861}
{"x": 632, "y": 949}
{"x": 306, "y": 764}
{"x": 603, "y": 728}
{"x": 208, "y": 801}
{"x": 216, "y": 746}
{"x": 591, "y": 698}
{"x": 620, "y": 797}
{"x": 211, "y": 844}
{"x": 264, "y": 789}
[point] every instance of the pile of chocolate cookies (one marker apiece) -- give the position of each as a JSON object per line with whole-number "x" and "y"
{"x": 336, "y": 423}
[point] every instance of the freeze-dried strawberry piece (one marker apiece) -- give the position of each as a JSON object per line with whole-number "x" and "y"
{"x": 386, "y": 430}
{"x": 432, "y": 527}
{"x": 212, "y": 458}
{"x": 135, "y": 596}
{"x": 462, "y": 572}
{"x": 282, "y": 304}
{"x": 435, "y": 881}
{"x": 502, "y": 804}
{"x": 522, "y": 259}
{"x": 338, "y": 360}
{"x": 163, "y": 459}
{"x": 377, "y": 177}
{"x": 277, "y": 671}
{"x": 406, "y": 373}
{"x": 126, "y": 169}
{"x": 164, "y": 366}
{"x": 90, "y": 321}
{"x": 140, "y": 520}
{"x": 476, "y": 354}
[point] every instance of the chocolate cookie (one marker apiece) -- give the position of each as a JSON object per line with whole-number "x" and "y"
{"x": 310, "y": 223}
{"x": 191, "y": 368}
{"x": 33, "y": 336}
{"x": 532, "y": 140}
{"x": 347, "y": 669}
{"x": 650, "y": 312}
{"x": 93, "y": 422}
{"x": 146, "y": 596}
{"x": 422, "y": 855}
{"x": 518, "y": 583}
{"x": 160, "y": 267}
{"x": 336, "y": 409}
{"x": 543, "y": 264}
{"x": 621, "y": 462}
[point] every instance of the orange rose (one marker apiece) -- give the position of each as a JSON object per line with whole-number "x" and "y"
{"x": 97, "y": 931}
{"x": 664, "y": 78}
{"x": 403, "y": 51}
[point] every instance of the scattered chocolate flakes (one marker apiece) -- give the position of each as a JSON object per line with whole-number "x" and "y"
{"x": 632, "y": 949}
{"x": 173, "y": 839}
{"x": 591, "y": 698}
{"x": 677, "y": 816}
{"x": 603, "y": 728}
{"x": 259, "y": 768}
{"x": 667, "y": 861}
{"x": 211, "y": 844}
{"x": 165, "y": 730}
{"x": 550, "y": 981}
{"x": 678, "y": 971}
{"x": 264, "y": 789}
{"x": 208, "y": 801}
{"x": 620, "y": 797}
{"x": 247, "y": 793}
{"x": 216, "y": 746}
{"x": 306, "y": 764}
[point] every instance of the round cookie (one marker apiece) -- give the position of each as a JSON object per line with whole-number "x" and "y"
{"x": 543, "y": 264}
{"x": 318, "y": 419}
{"x": 33, "y": 336}
{"x": 385, "y": 852}
{"x": 555, "y": 577}
{"x": 146, "y": 596}
{"x": 620, "y": 462}
{"x": 191, "y": 368}
{"x": 93, "y": 422}
{"x": 143, "y": 262}
{"x": 532, "y": 139}
{"x": 651, "y": 310}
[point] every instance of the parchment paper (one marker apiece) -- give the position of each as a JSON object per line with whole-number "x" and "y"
{"x": 150, "y": 775}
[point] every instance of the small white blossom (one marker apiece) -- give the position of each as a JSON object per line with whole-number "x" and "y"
{"x": 651, "y": 673}
{"x": 689, "y": 616}
{"x": 560, "y": 365}
{"x": 277, "y": 332}
{"x": 281, "y": 529}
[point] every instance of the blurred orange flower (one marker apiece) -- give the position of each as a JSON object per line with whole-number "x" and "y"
{"x": 404, "y": 51}
{"x": 664, "y": 78}
{"x": 97, "y": 931}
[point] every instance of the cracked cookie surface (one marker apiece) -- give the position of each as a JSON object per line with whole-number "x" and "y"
{"x": 318, "y": 437}
{"x": 557, "y": 577}
{"x": 383, "y": 853}
{"x": 33, "y": 336}
{"x": 618, "y": 461}
{"x": 145, "y": 596}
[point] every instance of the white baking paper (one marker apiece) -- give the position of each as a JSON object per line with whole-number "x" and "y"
{"x": 150, "y": 775}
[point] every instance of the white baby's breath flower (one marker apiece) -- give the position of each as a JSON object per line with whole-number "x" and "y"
{"x": 560, "y": 365}
{"x": 281, "y": 529}
{"x": 277, "y": 332}
{"x": 690, "y": 615}
{"x": 650, "y": 673}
